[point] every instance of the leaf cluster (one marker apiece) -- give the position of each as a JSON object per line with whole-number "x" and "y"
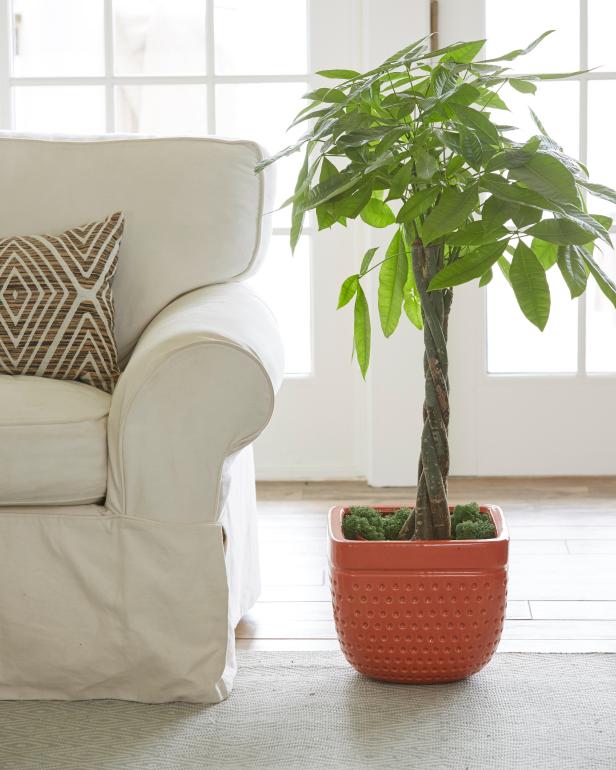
{"x": 421, "y": 144}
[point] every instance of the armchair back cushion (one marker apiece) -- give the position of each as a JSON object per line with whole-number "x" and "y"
{"x": 193, "y": 210}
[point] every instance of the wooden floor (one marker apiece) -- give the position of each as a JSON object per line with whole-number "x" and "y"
{"x": 562, "y": 589}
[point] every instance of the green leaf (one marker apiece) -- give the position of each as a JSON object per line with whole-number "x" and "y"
{"x": 348, "y": 290}
{"x": 324, "y": 191}
{"x": 475, "y": 234}
{"x": 329, "y": 95}
{"x": 564, "y": 232}
{"x": 547, "y": 176}
{"x": 470, "y": 266}
{"x": 425, "y": 163}
{"x": 537, "y": 122}
{"x": 522, "y": 51}
{"x": 606, "y": 284}
{"x": 365, "y": 263}
{"x": 412, "y": 300}
{"x": 352, "y": 205}
{"x": 450, "y": 212}
{"x": 361, "y": 331}
{"x": 530, "y": 285}
{"x": 486, "y": 278}
{"x": 325, "y": 214}
{"x": 392, "y": 278}
{"x": 377, "y": 214}
{"x": 400, "y": 181}
{"x": 526, "y": 215}
{"x": 418, "y": 204}
{"x": 471, "y": 147}
{"x": 600, "y": 190}
{"x": 546, "y": 253}
{"x": 505, "y": 267}
{"x": 605, "y": 221}
{"x": 297, "y": 212}
{"x": 514, "y": 193}
{"x": 491, "y": 101}
{"x": 465, "y": 52}
{"x": 340, "y": 74}
{"x": 478, "y": 121}
{"x": 496, "y": 212}
{"x": 573, "y": 269}
{"x": 523, "y": 86}
{"x": 596, "y": 226}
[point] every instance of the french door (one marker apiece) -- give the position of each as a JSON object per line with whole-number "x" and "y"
{"x": 526, "y": 402}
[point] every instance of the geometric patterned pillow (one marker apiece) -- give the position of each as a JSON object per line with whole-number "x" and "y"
{"x": 56, "y": 306}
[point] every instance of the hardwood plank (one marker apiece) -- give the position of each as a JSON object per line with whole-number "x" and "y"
{"x": 591, "y": 546}
{"x": 537, "y": 546}
{"x": 560, "y": 629}
{"x": 557, "y": 645}
{"x": 564, "y": 532}
{"x": 287, "y": 593}
{"x": 565, "y": 610}
{"x": 551, "y": 577}
{"x": 310, "y": 645}
{"x": 544, "y": 630}
{"x": 284, "y": 628}
{"x": 506, "y": 645}
{"x": 518, "y": 610}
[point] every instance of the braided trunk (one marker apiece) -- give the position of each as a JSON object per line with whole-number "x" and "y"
{"x": 430, "y": 518}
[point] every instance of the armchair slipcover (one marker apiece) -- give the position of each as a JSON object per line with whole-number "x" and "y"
{"x": 128, "y": 544}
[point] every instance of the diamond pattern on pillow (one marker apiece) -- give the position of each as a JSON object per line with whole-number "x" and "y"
{"x": 56, "y": 304}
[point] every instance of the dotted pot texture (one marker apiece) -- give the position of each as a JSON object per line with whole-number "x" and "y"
{"x": 418, "y": 612}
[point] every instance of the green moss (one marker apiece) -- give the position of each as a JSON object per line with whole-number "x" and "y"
{"x": 393, "y": 524}
{"x": 468, "y": 523}
{"x": 475, "y": 530}
{"x": 368, "y": 523}
{"x": 354, "y": 524}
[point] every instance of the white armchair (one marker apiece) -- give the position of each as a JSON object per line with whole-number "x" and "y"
{"x": 128, "y": 546}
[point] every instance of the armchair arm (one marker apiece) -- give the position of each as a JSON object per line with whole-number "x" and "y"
{"x": 198, "y": 387}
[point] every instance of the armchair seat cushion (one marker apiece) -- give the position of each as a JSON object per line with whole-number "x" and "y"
{"x": 53, "y": 442}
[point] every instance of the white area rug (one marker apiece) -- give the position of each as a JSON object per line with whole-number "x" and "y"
{"x": 311, "y": 710}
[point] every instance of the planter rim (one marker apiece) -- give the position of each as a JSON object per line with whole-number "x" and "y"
{"x": 443, "y": 555}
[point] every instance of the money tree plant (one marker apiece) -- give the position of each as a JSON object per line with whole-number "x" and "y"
{"x": 422, "y": 144}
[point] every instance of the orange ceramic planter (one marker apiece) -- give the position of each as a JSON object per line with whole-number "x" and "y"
{"x": 418, "y": 612}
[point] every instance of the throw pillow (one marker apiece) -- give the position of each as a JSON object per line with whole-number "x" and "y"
{"x": 56, "y": 305}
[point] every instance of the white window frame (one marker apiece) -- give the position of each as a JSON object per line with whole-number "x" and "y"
{"x": 110, "y": 81}
{"x": 582, "y": 81}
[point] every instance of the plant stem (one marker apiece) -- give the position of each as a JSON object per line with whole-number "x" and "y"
{"x": 431, "y": 515}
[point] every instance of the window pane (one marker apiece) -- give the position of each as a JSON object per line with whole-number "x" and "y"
{"x": 63, "y": 37}
{"x": 511, "y": 26}
{"x": 557, "y": 106}
{"x": 172, "y": 109}
{"x": 515, "y": 346}
{"x": 601, "y": 158}
{"x": 284, "y": 283}
{"x": 601, "y": 319}
{"x": 601, "y": 25}
{"x": 158, "y": 37}
{"x": 60, "y": 109}
{"x": 261, "y": 112}
{"x": 268, "y": 37}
